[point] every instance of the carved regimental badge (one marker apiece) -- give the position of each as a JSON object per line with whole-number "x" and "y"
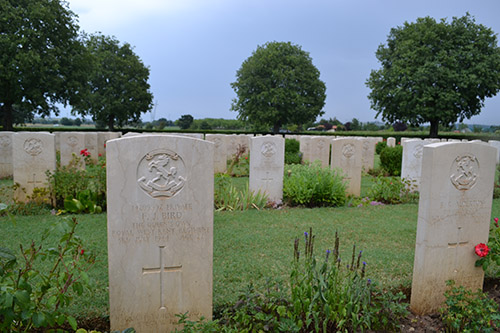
{"x": 72, "y": 140}
{"x": 268, "y": 149}
{"x": 464, "y": 172}
{"x": 5, "y": 141}
{"x": 348, "y": 150}
{"x": 161, "y": 173}
{"x": 33, "y": 146}
{"x": 418, "y": 151}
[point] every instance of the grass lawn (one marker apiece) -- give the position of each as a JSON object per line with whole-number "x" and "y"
{"x": 252, "y": 246}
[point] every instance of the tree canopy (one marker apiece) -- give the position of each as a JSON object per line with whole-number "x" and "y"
{"x": 118, "y": 83}
{"x": 42, "y": 60}
{"x": 277, "y": 85}
{"x": 185, "y": 121}
{"x": 436, "y": 72}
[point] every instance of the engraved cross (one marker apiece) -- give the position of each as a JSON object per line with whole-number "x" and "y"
{"x": 267, "y": 179}
{"x": 34, "y": 181}
{"x": 161, "y": 269}
{"x": 456, "y": 246}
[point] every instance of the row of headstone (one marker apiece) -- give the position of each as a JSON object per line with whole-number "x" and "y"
{"x": 27, "y": 156}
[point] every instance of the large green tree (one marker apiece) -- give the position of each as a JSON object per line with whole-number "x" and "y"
{"x": 436, "y": 72}
{"x": 42, "y": 59}
{"x": 277, "y": 85}
{"x": 118, "y": 83}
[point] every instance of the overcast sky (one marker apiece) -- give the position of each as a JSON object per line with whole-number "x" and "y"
{"x": 194, "y": 47}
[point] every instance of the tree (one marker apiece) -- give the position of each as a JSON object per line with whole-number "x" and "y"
{"x": 118, "y": 84}
{"x": 277, "y": 85}
{"x": 435, "y": 72}
{"x": 185, "y": 121}
{"x": 42, "y": 62}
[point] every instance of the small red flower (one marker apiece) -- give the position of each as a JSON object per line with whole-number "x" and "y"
{"x": 82, "y": 251}
{"x": 482, "y": 249}
{"x": 496, "y": 221}
{"x": 84, "y": 152}
{"x": 104, "y": 145}
{"x": 100, "y": 155}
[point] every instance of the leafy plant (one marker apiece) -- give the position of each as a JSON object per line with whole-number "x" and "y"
{"x": 468, "y": 311}
{"x": 392, "y": 190}
{"x": 329, "y": 295}
{"x": 380, "y": 146}
{"x": 66, "y": 182}
{"x": 312, "y": 185}
{"x": 391, "y": 159}
{"x": 228, "y": 197}
{"x": 85, "y": 202}
{"x": 292, "y": 152}
{"x": 489, "y": 255}
{"x": 33, "y": 297}
{"x": 239, "y": 164}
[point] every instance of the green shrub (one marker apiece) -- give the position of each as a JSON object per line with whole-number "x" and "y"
{"x": 239, "y": 164}
{"x": 313, "y": 186}
{"x": 380, "y": 146}
{"x": 292, "y": 152}
{"x": 467, "y": 311}
{"x": 32, "y": 296}
{"x": 392, "y": 190}
{"x": 391, "y": 159}
{"x": 227, "y": 197}
{"x": 68, "y": 182}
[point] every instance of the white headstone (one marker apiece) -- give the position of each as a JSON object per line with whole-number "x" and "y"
{"x": 319, "y": 150}
{"x": 160, "y": 230}
{"x": 305, "y": 148}
{"x": 346, "y": 155}
{"x": 391, "y": 142}
{"x": 91, "y": 145}
{"x": 34, "y": 154}
{"x": 102, "y": 138}
{"x": 496, "y": 144}
{"x": 368, "y": 156}
{"x": 71, "y": 143}
{"x": 220, "y": 151}
{"x": 6, "y": 162}
{"x": 267, "y": 162}
{"x": 453, "y": 217}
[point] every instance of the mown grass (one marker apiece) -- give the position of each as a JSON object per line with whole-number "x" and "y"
{"x": 253, "y": 246}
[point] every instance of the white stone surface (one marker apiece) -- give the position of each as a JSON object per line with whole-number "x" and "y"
{"x": 496, "y": 144}
{"x": 391, "y": 142}
{"x": 346, "y": 155}
{"x": 453, "y": 217}
{"x": 368, "y": 155}
{"x": 6, "y": 162}
{"x": 33, "y": 154}
{"x": 319, "y": 150}
{"x": 91, "y": 145}
{"x": 267, "y": 159}
{"x": 102, "y": 138}
{"x": 160, "y": 231}
{"x": 220, "y": 151}
{"x": 305, "y": 148}
{"x": 71, "y": 143}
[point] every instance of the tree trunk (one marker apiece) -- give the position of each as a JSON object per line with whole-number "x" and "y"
{"x": 8, "y": 117}
{"x": 276, "y": 128}
{"x": 434, "y": 129}
{"x": 111, "y": 126}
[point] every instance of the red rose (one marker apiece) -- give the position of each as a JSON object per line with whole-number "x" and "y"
{"x": 482, "y": 249}
{"x": 82, "y": 251}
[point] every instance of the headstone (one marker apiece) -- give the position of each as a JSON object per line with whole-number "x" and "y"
{"x": 346, "y": 155}
{"x": 235, "y": 142}
{"x": 453, "y": 217}
{"x": 6, "y": 162}
{"x": 190, "y": 135}
{"x": 33, "y": 154}
{"x": 91, "y": 145}
{"x": 496, "y": 144}
{"x": 267, "y": 159}
{"x": 391, "y": 142}
{"x": 160, "y": 231}
{"x": 319, "y": 150}
{"x": 102, "y": 138}
{"x": 71, "y": 143}
{"x": 368, "y": 152}
{"x": 305, "y": 148}
{"x": 220, "y": 151}
{"x": 411, "y": 165}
